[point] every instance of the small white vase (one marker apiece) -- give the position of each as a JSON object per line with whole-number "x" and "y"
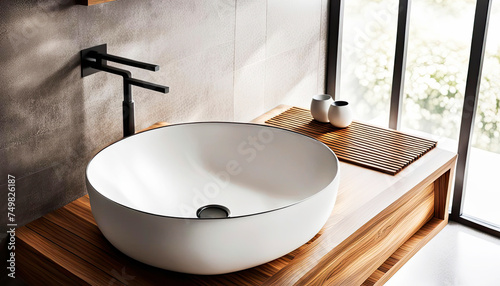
{"x": 319, "y": 107}
{"x": 340, "y": 114}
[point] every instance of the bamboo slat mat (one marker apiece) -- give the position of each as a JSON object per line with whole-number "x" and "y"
{"x": 376, "y": 148}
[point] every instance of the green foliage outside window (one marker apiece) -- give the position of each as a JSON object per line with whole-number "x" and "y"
{"x": 435, "y": 78}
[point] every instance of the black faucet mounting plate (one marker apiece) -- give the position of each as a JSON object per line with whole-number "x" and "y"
{"x": 86, "y": 70}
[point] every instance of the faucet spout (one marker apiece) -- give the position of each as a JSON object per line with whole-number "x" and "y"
{"x": 95, "y": 59}
{"x": 147, "y": 85}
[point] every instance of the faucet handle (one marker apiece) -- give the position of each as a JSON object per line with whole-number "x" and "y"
{"x": 116, "y": 59}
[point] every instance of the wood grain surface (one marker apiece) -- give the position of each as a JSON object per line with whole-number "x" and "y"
{"x": 369, "y": 146}
{"x": 378, "y": 223}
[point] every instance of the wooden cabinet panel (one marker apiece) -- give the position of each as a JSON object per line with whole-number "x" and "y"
{"x": 354, "y": 260}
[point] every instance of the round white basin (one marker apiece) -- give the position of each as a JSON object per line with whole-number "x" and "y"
{"x": 212, "y": 197}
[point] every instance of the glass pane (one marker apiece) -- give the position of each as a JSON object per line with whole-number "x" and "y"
{"x": 436, "y": 70}
{"x": 369, "y": 39}
{"x": 482, "y": 193}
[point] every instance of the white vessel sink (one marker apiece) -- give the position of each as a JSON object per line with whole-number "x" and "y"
{"x": 260, "y": 192}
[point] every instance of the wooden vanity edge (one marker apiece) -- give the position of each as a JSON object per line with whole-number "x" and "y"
{"x": 300, "y": 272}
{"x": 442, "y": 191}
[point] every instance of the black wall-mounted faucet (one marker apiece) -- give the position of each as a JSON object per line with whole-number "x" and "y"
{"x": 95, "y": 59}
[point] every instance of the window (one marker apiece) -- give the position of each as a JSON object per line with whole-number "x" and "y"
{"x": 482, "y": 196}
{"x": 369, "y": 37}
{"x": 436, "y": 69}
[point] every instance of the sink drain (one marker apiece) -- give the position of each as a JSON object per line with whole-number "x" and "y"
{"x": 213, "y": 211}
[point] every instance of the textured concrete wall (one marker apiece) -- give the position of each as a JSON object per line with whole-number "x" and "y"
{"x": 222, "y": 59}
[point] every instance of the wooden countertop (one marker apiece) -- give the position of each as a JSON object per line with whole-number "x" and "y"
{"x": 378, "y": 223}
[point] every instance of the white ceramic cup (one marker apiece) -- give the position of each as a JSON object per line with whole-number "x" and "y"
{"x": 340, "y": 114}
{"x": 319, "y": 107}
